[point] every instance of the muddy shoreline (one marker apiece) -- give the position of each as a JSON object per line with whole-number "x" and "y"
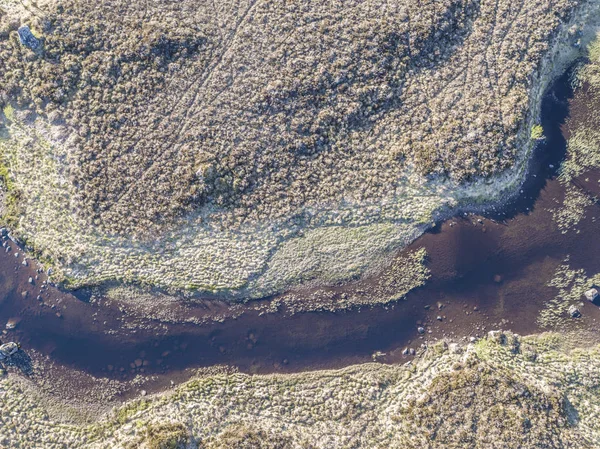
{"x": 489, "y": 271}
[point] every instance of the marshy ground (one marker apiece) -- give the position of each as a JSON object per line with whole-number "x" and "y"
{"x": 92, "y": 359}
{"x": 490, "y": 271}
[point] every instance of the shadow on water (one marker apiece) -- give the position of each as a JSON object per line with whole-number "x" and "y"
{"x": 488, "y": 271}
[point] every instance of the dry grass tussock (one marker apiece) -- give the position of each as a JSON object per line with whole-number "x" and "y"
{"x": 284, "y": 116}
{"x": 268, "y": 107}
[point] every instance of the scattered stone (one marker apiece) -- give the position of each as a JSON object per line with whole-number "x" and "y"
{"x": 427, "y": 307}
{"x": 412, "y": 351}
{"x": 377, "y": 355}
{"x": 24, "y": 294}
{"x": 12, "y": 323}
{"x": 439, "y": 318}
{"x": 138, "y": 362}
{"x": 454, "y": 348}
{"x": 24, "y": 263}
{"x": 27, "y": 38}
{"x": 591, "y": 294}
{"x": 421, "y": 330}
{"x": 574, "y": 312}
{"x": 497, "y": 278}
{"x": 405, "y": 351}
{"x": 30, "y": 280}
{"x": 473, "y": 339}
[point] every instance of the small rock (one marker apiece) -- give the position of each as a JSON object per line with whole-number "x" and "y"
{"x": 427, "y": 307}
{"x": 454, "y": 348}
{"x": 138, "y": 362}
{"x": 12, "y": 323}
{"x": 24, "y": 263}
{"x": 591, "y": 294}
{"x": 405, "y": 351}
{"x": 574, "y": 312}
{"x": 143, "y": 393}
{"x": 27, "y": 38}
{"x": 497, "y": 278}
{"x": 421, "y": 330}
{"x": 412, "y": 351}
{"x": 24, "y": 294}
{"x": 30, "y": 280}
{"x": 439, "y": 318}
{"x": 473, "y": 339}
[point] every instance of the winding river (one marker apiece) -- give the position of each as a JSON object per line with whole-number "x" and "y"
{"x": 488, "y": 272}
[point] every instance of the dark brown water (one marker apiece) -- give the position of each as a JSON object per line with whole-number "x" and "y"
{"x": 488, "y": 272}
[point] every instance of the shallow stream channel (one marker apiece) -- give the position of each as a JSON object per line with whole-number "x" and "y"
{"x": 488, "y": 271}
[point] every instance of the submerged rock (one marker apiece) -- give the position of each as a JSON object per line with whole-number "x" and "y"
{"x": 27, "y": 38}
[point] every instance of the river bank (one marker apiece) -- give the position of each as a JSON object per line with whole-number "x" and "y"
{"x": 358, "y": 206}
{"x": 487, "y": 272}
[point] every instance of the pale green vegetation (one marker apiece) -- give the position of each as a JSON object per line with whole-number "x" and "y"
{"x": 220, "y": 155}
{"x": 571, "y": 285}
{"x": 504, "y": 391}
{"x": 583, "y": 147}
{"x": 392, "y": 283}
{"x": 573, "y": 208}
{"x": 537, "y": 132}
{"x": 167, "y": 436}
